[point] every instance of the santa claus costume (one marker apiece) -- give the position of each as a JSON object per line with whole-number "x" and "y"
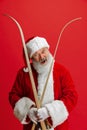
{"x": 60, "y": 96}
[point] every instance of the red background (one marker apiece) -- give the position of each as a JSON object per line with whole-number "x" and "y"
{"x": 44, "y": 18}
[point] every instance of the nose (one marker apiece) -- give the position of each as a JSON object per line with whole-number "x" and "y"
{"x": 41, "y": 56}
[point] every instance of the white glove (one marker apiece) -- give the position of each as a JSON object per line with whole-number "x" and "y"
{"x": 33, "y": 114}
{"x": 42, "y": 114}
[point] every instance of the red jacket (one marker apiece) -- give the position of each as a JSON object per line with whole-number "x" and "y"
{"x": 64, "y": 90}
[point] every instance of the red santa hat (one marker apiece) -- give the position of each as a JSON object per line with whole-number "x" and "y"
{"x": 35, "y": 44}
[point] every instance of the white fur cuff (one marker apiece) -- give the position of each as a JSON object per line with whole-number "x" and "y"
{"x": 22, "y": 107}
{"x": 58, "y": 112}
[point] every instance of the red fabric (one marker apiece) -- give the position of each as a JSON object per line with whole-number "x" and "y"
{"x": 63, "y": 90}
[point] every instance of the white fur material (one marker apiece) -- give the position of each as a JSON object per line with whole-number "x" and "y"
{"x": 35, "y": 44}
{"x": 58, "y": 112}
{"x": 21, "y": 109}
{"x": 49, "y": 93}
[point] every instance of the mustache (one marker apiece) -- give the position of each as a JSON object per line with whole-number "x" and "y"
{"x": 43, "y": 59}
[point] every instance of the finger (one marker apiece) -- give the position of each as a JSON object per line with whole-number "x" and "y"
{"x": 39, "y": 117}
{"x": 40, "y": 120}
{"x": 34, "y": 121}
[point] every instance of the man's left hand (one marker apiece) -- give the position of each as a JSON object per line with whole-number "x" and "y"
{"x": 42, "y": 114}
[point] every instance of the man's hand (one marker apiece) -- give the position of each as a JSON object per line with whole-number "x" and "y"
{"x": 33, "y": 114}
{"x": 42, "y": 114}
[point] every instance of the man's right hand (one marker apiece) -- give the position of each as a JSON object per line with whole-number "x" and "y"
{"x": 33, "y": 114}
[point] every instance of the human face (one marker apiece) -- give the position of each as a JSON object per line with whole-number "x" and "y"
{"x": 41, "y": 56}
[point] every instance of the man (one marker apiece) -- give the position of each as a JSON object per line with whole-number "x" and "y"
{"x": 60, "y": 95}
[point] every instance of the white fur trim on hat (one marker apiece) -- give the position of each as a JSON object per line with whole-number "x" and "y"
{"x": 21, "y": 108}
{"x": 35, "y": 44}
{"x": 57, "y": 111}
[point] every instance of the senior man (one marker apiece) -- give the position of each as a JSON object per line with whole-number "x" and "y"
{"x": 60, "y": 96}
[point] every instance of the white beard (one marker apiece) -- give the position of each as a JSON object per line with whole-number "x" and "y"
{"x": 43, "y": 71}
